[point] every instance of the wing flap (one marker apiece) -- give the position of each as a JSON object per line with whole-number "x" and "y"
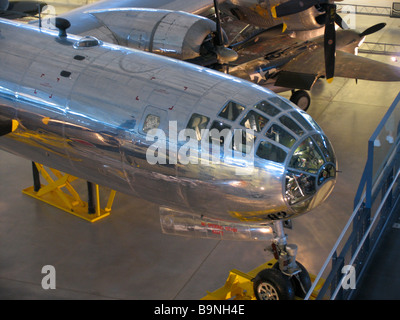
{"x": 295, "y": 80}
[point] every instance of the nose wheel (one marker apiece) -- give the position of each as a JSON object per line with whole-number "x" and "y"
{"x": 271, "y": 284}
{"x": 287, "y": 278}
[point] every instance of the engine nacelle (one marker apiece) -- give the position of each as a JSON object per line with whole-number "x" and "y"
{"x": 258, "y": 13}
{"x": 304, "y": 21}
{"x": 175, "y": 34}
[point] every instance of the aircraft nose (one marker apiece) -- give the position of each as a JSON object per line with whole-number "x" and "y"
{"x": 310, "y": 174}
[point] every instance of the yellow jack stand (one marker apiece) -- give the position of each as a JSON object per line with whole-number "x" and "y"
{"x": 53, "y": 194}
{"x": 239, "y": 286}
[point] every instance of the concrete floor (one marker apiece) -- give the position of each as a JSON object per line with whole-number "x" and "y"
{"x": 125, "y": 256}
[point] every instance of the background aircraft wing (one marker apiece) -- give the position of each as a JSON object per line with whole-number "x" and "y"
{"x": 347, "y": 65}
{"x": 257, "y": 43}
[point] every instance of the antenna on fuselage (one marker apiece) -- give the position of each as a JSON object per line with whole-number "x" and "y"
{"x": 62, "y": 25}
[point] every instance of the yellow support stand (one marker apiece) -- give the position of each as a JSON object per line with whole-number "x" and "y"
{"x": 70, "y": 202}
{"x": 239, "y": 286}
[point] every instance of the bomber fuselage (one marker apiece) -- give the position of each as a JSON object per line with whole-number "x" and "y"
{"x": 88, "y": 108}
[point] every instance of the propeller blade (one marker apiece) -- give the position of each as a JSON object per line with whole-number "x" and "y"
{"x": 373, "y": 29}
{"x": 340, "y": 22}
{"x": 224, "y": 55}
{"x": 292, "y": 7}
{"x": 220, "y": 37}
{"x": 8, "y": 126}
{"x": 3, "y": 5}
{"x": 330, "y": 42}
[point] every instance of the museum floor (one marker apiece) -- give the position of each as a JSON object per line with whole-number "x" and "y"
{"x": 125, "y": 256}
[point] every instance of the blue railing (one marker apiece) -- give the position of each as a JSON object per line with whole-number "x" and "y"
{"x": 376, "y": 199}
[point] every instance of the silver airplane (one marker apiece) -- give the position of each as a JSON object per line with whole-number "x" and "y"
{"x": 142, "y": 124}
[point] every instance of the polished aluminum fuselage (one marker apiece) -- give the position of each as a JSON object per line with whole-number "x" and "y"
{"x": 82, "y": 109}
{"x": 82, "y": 117}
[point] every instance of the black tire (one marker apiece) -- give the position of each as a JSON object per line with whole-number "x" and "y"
{"x": 301, "y": 99}
{"x": 299, "y": 281}
{"x": 271, "y": 284}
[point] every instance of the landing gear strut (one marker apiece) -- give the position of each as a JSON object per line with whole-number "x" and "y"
{"x": 287, "y": 278}
{"x": 301, "y": 98}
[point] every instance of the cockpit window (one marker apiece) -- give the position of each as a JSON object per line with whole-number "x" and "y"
{"x": 198, "y": 122}
{"x": 328, "y": 171}
{"x": 151, "y": 122}
{"x": 326, "y": 148}
{"x": 289, "y": 123}
{"x": 307, "y": 157}
{"x": 276, "y": 133}
{"x": 267, "y": 108}
{"x": 219, "y": 133}
{"x": 311, "y": 174}
{"x": 301, "y": 120}
{"x": 243, "y": 141}
{"x": 311, "y": 120}
{"x": 231, "y": 111}
{"x": 299, "y": 186}
{"x": 269, "y": 151}
{"x": 280, "y": 103}
{"x": 254, "y": 121}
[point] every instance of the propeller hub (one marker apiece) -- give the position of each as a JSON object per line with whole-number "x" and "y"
{"x": 226, "y": 55}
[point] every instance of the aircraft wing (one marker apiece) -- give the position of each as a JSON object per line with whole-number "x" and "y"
{"x": 257, "y": 43}
{"x": 347, "y": 65}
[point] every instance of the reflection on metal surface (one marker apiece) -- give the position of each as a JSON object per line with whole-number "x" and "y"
{"x": 87, "y": 42}
{"x": 181, "y": 223}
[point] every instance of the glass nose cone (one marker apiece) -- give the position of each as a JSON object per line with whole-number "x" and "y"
{"x": 311, "y": 173}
